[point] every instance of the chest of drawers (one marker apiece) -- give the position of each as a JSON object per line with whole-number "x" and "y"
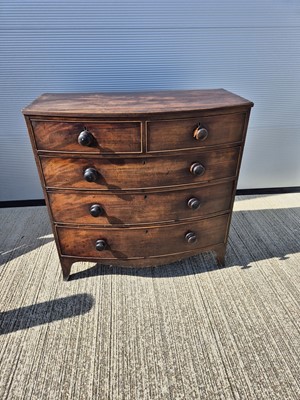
{"x": 138, "y": 179}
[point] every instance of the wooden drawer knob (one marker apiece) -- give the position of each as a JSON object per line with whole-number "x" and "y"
{"x": 194, "y": 203}
{"x": 85, "y": 138}
{"x": 101, "y": 244}
{"x": 197, "y": 169}
{"x": 96, "y": 210}
{"x": 91, "y": 175}
{"x": 191, "y": 237}
{"x": 200, "y": 133}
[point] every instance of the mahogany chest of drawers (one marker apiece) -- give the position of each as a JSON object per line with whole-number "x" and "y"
{"x": 138, "y": 179}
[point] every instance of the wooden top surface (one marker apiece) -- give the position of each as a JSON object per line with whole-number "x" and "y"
{"x": 132, "y": 103}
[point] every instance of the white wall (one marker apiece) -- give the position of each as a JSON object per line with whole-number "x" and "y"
{"x": 249, "y": 47}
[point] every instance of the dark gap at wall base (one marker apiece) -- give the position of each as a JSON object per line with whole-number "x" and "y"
{"x": 244, "y": 192}
{"x": 239, "y": 192}
{"x": 22, "y": 203}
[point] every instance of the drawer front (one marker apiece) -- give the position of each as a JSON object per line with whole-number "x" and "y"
{"x": 142, "y": 242}
{"x": 183, "y": 134}
{"x": 94, "y": 137}
{"x": 129, "y": 173}
{"x": 138, "y": 208}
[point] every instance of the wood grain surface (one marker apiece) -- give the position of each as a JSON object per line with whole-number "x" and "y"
{"x": 133, "y": 103}
{"x": 108, "y": 137}
{"x": 139, "y": 208}
{"x": 178, "y": 133}
{"x": 129, "y": 173}
{"x": 141, "y": 242}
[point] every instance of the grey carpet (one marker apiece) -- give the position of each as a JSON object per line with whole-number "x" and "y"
{"x": 183, "y": 331}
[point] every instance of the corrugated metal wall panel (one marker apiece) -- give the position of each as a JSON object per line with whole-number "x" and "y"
{"x": 70, "y": 46}
{"x": 78, "y": 14}
{"x": 19, "y": 177}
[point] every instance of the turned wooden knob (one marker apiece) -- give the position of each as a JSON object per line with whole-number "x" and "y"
{"x": 85, "y": 138}
{"x": 194, "y": 203}
{"x": 191, "y": 237}
{"x": 96, "y": 210}
{"x": 101, "y": 244}
{"x": 91, "y": 175}
{"x": 197, "y": 169}
{"x": 200, "y": 133}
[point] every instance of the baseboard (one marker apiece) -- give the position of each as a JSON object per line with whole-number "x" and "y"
{"x": 22, "y": 203}
{"x": 239, "y": 192}
{"x": 243, "y": 192}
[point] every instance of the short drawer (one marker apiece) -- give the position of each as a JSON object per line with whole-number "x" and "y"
{"x": 114, "y": 243}
{"x": 140, "y": 208}
{"x": 196, "y": 132}
{"x": 88, "y": 137}
{"x": 146, "y": 172}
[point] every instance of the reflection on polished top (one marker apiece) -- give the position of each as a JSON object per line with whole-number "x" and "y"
{"x": 113, "y": 104}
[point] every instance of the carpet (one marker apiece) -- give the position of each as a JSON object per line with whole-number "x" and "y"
{"x": 188, "y": 330}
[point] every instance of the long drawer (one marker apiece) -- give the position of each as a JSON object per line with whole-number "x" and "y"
{"x": 105, "y": 208}
{"x": 88, "y": 137}
{"x": 146, "y": 172}
{"x": 142, "y": 242}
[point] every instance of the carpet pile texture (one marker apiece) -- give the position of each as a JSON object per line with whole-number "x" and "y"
{"x": 187, "y": 331}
